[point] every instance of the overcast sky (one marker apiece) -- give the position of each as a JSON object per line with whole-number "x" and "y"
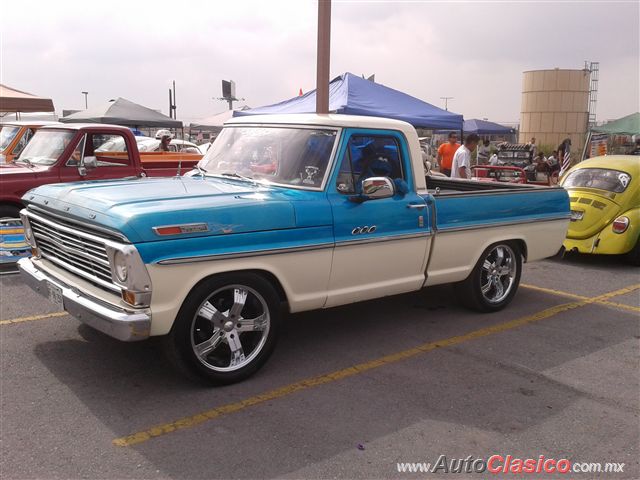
{"x": 473, "y": 51}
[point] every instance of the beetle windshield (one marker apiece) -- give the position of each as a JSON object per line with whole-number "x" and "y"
{"x": 46, "y": 146}
{"x": 7, "y": 134}
{"x": 280, "y": 155}
{"x": 601, "y": 178}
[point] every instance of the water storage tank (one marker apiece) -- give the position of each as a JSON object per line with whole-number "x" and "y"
{"x": 555, "y": 105}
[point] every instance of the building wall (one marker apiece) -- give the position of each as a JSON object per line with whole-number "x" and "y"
{"x": 555, "y": 105}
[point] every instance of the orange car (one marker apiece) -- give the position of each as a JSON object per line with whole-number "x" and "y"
{"x": 14, "y": 136}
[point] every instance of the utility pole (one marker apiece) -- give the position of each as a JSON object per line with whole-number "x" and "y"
{"x": 86, "y": 104}
{"x": 323, "y": 56}
{"x": 446, "y": 102}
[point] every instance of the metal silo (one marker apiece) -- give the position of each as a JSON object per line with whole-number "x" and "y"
{"x": 555, "y": 105}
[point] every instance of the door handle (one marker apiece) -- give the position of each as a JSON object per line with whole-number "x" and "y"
{"x": 417, "y": 206}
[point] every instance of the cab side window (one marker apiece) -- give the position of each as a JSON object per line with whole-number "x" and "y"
{"x": 369, "y": 156}
{"x": 109, "y": 150}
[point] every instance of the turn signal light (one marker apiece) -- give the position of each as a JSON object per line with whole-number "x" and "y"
{"x": 168, "y": 230}
{"x": 129, "y": 297}
{"x": 620, "y": 225}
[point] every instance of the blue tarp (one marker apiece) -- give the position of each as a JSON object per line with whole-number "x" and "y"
{"x": 353, "y": 95}
{"x": 482, "y": 127}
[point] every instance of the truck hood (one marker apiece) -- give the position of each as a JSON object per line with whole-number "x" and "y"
{"x": 135, "y": 206}
{"x": 9, "y": 171}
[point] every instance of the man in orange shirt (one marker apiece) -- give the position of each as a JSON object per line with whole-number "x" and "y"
{"x": 446, "y": 152}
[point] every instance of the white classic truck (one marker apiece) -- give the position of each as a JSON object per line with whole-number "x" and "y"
{"x": 284, "y": 213}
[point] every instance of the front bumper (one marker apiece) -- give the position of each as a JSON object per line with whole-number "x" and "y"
{"x": 125, "y": 325}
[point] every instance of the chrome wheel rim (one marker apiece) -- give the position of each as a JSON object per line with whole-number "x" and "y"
{"x": 230, "y": 328}
{"x": 498, "y": 274}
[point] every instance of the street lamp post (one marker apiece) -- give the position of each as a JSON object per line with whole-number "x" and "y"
{"x": 86, "y": 104}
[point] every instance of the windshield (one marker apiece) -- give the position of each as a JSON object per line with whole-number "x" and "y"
{"x": 7, "y": 134}
{"x": 46, "y": 146}
{"x": 281, "y": 155}
{"x": 601, "y": 178}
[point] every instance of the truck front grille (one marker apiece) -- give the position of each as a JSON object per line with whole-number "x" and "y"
{"x": 78, "y": 252}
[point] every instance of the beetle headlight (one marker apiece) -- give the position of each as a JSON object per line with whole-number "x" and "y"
{"x": 120, "y": 267}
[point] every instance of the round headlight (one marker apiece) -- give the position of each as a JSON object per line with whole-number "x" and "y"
{"x": 120, "y": 266}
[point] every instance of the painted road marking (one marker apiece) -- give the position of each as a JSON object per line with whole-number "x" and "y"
{"x": 560, "y": 293}
{"x": 194, "y": 420}
{"x": 33, "y": 318}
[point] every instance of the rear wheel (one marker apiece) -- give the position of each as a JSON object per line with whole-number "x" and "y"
{"x": 494, "y": 280}
{"x": 226, "y": 329}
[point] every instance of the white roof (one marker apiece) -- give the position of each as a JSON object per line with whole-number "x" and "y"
{"x": 330, "y": 120}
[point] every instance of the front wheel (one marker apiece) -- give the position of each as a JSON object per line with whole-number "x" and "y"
{"x": 494, "y": 280}
{"x": 226, "y": 329}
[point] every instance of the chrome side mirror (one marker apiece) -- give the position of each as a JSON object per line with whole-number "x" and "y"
{"x": 374, "y": 188}
{"x": 88, "y": 163}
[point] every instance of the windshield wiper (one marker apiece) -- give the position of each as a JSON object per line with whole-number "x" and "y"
{"x": 201, "y": 170}
{"x": 237, "y": 175}
{"x": 24, "y": 160}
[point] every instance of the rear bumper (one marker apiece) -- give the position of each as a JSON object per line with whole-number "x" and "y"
{"x": 121, "y": 324}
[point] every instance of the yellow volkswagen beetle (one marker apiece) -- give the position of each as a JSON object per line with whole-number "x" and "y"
{"x": 605, "y": 206}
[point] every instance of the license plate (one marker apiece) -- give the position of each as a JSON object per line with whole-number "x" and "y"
{"x": 576, "y": 215}
{"x": 55, "y": 295}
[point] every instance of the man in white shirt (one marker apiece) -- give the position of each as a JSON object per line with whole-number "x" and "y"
{"x": 461, "y": 165}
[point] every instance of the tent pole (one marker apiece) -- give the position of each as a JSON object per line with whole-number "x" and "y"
{"x": 323, "y": 56}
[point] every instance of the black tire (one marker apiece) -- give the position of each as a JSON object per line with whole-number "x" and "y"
{"x": 192, "y": 332}
{"x": 470, "y": 291}
{"x": 9, "y": 211}
{"x": 633, "y": 257}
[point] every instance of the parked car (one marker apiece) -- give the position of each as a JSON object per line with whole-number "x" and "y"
{"x": 14, "y": 136}
{"x": 605, "y": 206}
{"x": 75, "y": 152}
{"x": 211, "y": 260}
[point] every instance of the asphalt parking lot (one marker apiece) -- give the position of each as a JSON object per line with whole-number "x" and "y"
{"x": 349, "y": 393}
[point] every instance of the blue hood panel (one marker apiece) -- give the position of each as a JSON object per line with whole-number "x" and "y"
{"x": 134, "y": 206}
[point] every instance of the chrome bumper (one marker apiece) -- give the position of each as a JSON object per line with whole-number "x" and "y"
{"x": 125, "y": 325}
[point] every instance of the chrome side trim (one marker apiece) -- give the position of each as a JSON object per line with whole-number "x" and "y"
{"x": 501, "y": 224}
{"x": 251, "y": 253}
{"x": 388, "y": 238}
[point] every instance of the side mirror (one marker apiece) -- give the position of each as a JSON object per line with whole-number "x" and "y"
{"x": 88, "y": 163}
{"x": 374, "y": 188}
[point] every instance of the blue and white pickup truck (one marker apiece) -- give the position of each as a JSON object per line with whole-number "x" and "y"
{"x": 283, "y": 214}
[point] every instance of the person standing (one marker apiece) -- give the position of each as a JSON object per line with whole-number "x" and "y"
{"x": 446, "y": 152}
{"x": 533, "y": 148}
{"x": 483, "y": 152}
{"x": 461, "y": 165}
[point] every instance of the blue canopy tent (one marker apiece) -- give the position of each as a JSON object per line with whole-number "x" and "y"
{"x": 482, "y": 127}
{"x": 353, "y": 95}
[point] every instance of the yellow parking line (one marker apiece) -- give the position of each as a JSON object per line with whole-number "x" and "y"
{"x": 194, "y": 420}
{"x": 32, "y": 318}
{"x": 560, "y": 293}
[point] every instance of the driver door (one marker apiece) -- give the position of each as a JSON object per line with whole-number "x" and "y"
{"x": 113, "y": 159}
{"x": 381, "y": 244}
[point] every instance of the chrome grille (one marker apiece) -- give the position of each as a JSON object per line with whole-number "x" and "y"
{"x": 76, "y": 251}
